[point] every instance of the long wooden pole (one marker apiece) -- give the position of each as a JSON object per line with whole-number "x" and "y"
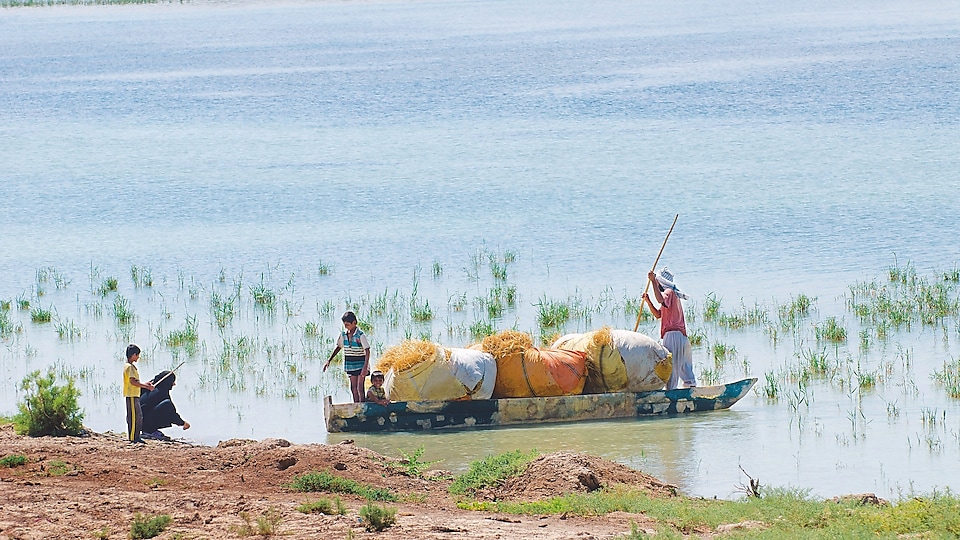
{"x": 169, "y": 374}
{"x": 654, "y": 269}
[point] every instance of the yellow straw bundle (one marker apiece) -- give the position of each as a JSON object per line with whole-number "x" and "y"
{"x": 506, "y": 343}
{"x": 407, "y": 354}
{"x": 603, "y": 337}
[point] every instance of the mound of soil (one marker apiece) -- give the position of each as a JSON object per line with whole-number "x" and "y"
{"x": 560, "y": 473}
{"x": 94, "y": 486}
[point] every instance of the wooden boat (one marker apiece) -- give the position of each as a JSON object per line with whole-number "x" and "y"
{"x": 425, "y": 415}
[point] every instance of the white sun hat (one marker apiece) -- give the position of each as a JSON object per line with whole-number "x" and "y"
{"x": 665, "y": 278}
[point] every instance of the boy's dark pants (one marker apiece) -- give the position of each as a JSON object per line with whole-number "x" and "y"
{"x": 134, "y": 418}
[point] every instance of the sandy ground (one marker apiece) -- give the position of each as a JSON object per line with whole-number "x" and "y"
{"x": 93, "y": 486}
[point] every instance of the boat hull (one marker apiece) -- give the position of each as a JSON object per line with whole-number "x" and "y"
{"x": 428, "y": 415}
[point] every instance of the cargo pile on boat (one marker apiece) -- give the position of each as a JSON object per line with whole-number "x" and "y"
{"x": 507, "y": 365}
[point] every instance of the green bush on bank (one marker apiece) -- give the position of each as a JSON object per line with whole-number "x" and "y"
{"x": 48, "y": 409}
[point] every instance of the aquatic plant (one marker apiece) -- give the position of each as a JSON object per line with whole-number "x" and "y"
{"x": 723, "y": 352}
{"x": 50, "y": 274}
{"x": 223, "y": 309}
{"x": 711, "y": 307}
{"x": 263, "y": 295}
{"x": 552, "y": 313}
{"x": 67, "y": 329}
{"x": 122, "y": 311}
{"x": 481, "y": 329}
{"x": 831, "y": 330}
{"x": 185, "y": 337}
{"x": 697, "y": 337}
{"x": 7, "y": 326}
{"x": 40, "y": 315}
{"x": 107, "y": 286}
{"x": 771, "y": 386}
{"x": 949, "y": 377}
{"x": 141, "y": 276}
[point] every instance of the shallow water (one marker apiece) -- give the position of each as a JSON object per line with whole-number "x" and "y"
{"x": 805, "y": 149}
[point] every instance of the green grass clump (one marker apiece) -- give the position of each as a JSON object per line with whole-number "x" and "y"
{"x": 324, "y": 506}
{"x": 186, "y": 337}
{"x": 141, "y": 276}
{"x": 223, "y": 309}
{"x": 107, "y": 286}
{"x": 711, "y": 307}
{"x": 264, "y": 296}
{"x": 771, "y": 386}
{"x": 40, "y": 315}
{"x": 7, "y": 326}
{"x": 420, "y": 312}
{"x": 831, "y": 330}
{"x": 122, "y": 311}
{"x": 148, "y": 527}
{"x": 13, "y": 460}
{"x": 48, "y": 409}
{"x": 377, "y": 518}
{"x": 552, "y": 313}
{"x": 324, "y": 481}
{"x": 492, "y": 471}
{"x": 57, "y": 467}
{"x": 949, "y": 377}
{"x": 481, "y": 329}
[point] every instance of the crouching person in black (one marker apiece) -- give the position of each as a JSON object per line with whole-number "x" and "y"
{"x": 159, "y": 411}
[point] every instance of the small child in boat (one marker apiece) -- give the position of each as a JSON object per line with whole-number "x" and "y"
{"x": 376, "y": 393}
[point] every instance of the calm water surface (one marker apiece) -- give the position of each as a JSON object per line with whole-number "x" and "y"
{"x": 227, "y": 146}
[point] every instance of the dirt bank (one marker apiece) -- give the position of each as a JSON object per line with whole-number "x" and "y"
{"x": 93, "y": 486}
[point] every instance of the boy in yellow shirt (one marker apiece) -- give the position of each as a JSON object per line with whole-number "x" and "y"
{"x": 131, "y": 394}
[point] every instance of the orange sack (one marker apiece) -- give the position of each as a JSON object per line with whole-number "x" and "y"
{"x": 534, "y": 372}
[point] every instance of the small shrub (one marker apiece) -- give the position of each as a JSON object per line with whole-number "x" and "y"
{"x": 48, "y": 409}
{"x": 324, "y": 506}
{"x": 13, "y": 460}
{"x": 377, "y": 518}
{"x": 268, "y": 524}
{"x": 148, "y": 527}
{"x": 411, "y": 465}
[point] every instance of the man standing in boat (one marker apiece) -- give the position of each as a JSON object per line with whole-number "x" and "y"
{"x": 673, "y": 328}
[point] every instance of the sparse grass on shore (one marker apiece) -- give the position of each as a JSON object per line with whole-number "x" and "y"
{"x": 778, "y": 513}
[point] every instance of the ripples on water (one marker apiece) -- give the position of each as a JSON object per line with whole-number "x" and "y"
{"x": 806, "y": 148}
